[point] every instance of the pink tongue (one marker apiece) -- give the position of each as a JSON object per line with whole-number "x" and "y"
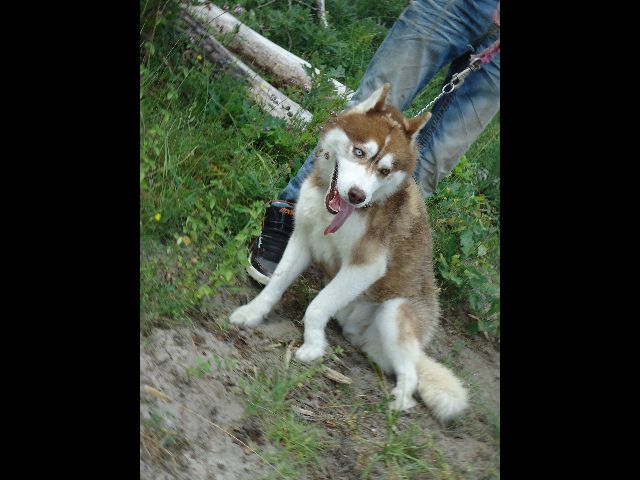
{"x": 344, "y": 210}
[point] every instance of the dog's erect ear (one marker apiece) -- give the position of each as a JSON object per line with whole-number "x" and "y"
{"x": 414, "y": 125}
{"x": 374, "y": 103}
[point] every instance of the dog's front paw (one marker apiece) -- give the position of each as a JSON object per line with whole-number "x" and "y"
{"x": 309, "y": 352}
{"x": 246, "y": 316}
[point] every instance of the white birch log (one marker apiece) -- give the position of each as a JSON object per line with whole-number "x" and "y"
{"x": 253, "y": 47}
{"x": 269, "y": 98}
{"x": 322, "y": 15}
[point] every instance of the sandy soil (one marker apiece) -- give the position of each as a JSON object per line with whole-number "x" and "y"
{"x": 196, "y": 427}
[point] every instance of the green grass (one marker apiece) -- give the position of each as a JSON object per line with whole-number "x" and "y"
{"x": 270, "y": 398}
{"x": 166, "y": 296}
{"x": 407, "y": 454}
{"x": 404, "y": 451}
{"x": 159, "y": 443}
{"x": 209, "y": 162}
{"x": 204, "y": 366}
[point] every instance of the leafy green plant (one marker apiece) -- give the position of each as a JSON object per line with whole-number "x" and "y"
{"x": 466, "y": 238}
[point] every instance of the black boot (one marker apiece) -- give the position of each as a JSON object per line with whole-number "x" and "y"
{"x": 268, "y": 248}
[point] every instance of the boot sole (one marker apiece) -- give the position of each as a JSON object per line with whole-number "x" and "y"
{"x": 256, "y": 275}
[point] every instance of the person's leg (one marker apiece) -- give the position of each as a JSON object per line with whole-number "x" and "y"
{"x": 428, "y": 35}
{"x": 457, "y": 120}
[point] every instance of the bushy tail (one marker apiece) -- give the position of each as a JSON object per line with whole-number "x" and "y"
{"x": 440, "y": 389}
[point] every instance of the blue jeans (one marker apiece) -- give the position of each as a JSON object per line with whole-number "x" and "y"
{"x": 428, "y": 35}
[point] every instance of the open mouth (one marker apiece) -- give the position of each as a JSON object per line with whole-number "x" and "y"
{"x": 336, "y": 205}
{"x": 331, "y": 200}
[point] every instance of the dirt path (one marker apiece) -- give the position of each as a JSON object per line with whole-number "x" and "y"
{"x": 203, "y": 373}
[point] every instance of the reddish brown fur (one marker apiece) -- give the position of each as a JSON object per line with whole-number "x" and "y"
{"x": 407, "y": 325}
{"x": 398, "y": 227}
{"x": 377, "y": 127}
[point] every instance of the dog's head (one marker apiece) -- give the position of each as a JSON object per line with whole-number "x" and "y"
{"x": 368, "y": 152}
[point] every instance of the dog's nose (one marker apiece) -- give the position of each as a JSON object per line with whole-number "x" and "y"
{"x": 356, "y": 195}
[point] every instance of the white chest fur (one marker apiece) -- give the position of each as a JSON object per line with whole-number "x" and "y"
{"x": 311, "y": 216}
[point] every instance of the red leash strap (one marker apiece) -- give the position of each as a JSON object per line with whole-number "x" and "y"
{"x": 488, "y": 53}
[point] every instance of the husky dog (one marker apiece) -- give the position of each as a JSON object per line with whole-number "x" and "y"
{"x": 362, "y": 219}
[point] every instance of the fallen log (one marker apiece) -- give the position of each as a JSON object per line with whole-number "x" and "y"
{"x": 252, "y": 46}
{"x": 269, "y": 98}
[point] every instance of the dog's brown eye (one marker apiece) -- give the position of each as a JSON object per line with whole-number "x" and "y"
{"x": 357, "y": 152}
{"x": 384, "y": 171}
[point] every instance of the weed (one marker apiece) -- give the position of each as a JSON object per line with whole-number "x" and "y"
{"x": 158, "y": 442}
{"x": 405, "y": 452}
{"x": 204, "y": 366}
{"x": 269, "y": 400}
{"x": 466, "y": 246}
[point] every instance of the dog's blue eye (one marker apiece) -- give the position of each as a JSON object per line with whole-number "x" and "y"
{"x": 357, "y": 152}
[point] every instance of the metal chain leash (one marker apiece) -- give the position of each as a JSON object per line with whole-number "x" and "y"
{"x": 456, "y": 80}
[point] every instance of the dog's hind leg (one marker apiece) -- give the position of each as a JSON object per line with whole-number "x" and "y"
{"x": 355, "y": 319}
{"x": 394, "y": 342}
{"x": 391, "y": 342}
{"x": 295, "y": 260}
